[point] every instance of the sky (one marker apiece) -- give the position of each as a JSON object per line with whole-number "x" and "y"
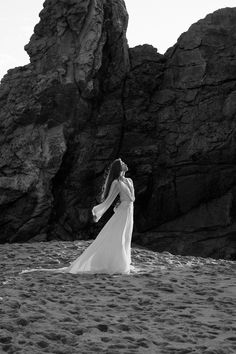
{"x": 156, "y": 22}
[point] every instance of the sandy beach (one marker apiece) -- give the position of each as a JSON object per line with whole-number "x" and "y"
{"x": 169, "y": 304}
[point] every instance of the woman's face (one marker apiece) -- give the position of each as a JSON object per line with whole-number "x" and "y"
{"x": 124, "y": 167}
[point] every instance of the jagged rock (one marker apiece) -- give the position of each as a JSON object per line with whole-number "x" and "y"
{"x": 52, "y": 119}
{"x": 192, "y": 113}
{"x": 86, "y": 98}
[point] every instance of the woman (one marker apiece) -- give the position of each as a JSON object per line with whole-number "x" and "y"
{"x": 110, "y": 252}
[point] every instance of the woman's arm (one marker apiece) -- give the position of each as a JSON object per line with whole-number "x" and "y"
{"x": 100, "y": 209}
{"x": 132, "y": 185}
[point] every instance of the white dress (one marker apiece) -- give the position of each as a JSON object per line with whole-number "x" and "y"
{"x": 110, "y": 252}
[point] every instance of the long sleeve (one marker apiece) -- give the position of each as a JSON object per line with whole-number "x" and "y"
{"x": 100, "y": 209}
{"x": 133, "y": 193}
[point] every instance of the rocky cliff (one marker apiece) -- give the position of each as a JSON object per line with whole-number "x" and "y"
{"x": 86, "y": 98}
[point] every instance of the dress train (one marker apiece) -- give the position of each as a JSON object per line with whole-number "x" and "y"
{"x": 110, "y": 252}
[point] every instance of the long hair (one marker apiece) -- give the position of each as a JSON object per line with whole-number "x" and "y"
{"x": 113, "y": 172}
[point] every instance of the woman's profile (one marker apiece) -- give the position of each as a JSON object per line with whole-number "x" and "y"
{"x": 110, "y": 252}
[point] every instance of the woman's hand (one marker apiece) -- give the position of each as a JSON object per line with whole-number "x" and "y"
{"x": 95, "y": 218}
{"x": 116, "y": 206}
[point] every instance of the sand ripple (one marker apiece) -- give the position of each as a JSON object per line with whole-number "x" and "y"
{"x": 168, "y": 304}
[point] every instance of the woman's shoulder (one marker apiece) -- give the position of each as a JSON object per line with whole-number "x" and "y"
{"x": 115, "y": 182}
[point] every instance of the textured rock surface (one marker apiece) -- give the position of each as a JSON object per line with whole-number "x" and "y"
{"x": 86, "y": 99}
{"x": 193, "y": 115}
{"x": 54, "y": 118}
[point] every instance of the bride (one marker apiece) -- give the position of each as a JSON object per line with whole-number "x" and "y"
{"x": 110, "y": 252}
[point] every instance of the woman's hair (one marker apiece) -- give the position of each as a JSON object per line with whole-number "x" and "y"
{"x": 112, "y": 173}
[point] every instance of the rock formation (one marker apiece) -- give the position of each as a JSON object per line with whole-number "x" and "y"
{"x": 57, "y": 133}
{"x": 189, "y": 203}
{"x": 86, "y": 98}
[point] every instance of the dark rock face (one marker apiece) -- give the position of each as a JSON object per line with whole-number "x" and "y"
{"x": 193, "y": 192}
{"x": 190, "y": 207}
{"x": 86, "y": 99}
{"x": 57, "y": 133}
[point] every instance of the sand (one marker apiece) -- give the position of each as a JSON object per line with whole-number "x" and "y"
{"x": 169, "y": 304}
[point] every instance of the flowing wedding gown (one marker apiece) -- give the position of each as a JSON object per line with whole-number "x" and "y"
{"x": 110, "y": 252}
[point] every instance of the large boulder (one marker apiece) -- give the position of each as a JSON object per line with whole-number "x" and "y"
{"x": 61, "y": 118}
{"x": 193, "y": 115}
